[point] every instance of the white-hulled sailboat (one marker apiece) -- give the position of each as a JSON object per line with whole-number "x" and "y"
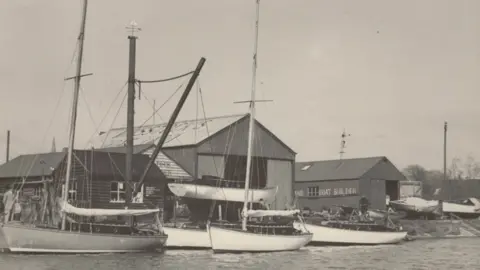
{"x": 256, "y": 238}
{"x": 49, "y": 239}
{"x": 218, "y": 193}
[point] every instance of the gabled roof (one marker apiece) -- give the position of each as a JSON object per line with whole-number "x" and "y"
{"x": 167, "y": 165}
{"x": 187, "y": 132}
{"x": 33, "y": 165}
{"x": 338, "y": 169}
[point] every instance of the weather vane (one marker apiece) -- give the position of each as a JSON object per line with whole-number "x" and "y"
{"x": 133, "y": 28}
{"x": 342, "y": 143}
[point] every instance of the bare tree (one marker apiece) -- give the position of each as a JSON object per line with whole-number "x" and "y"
{"x": 415, "y": 172}
{"x": 455, "y": 171}
{"x": 471, "y": 168}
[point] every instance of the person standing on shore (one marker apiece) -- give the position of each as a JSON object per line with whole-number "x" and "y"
{"x": 8, "y": 201}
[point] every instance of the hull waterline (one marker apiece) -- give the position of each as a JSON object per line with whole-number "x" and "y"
{"x": 236, "y": 241}
{"x": 40, "y": 240}
{"x": 186, "y": 238}
{"x": 323, "y": 235}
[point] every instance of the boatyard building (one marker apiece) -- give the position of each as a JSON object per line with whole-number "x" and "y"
{"x": 97, "y": 180}
{"x": 212, "y": 148}
{"x": 330, "y": 183}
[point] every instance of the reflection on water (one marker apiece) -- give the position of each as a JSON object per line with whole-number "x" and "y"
{"x": 433, "y": 254}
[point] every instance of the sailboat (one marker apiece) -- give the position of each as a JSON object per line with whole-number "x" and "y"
{"x": 221, "y": 193}
{"x": 226, "y": 238}
{"x": 89, "y": 238}
{"x": 357, "y": 230}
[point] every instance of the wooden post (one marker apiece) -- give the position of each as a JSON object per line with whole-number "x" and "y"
{"x": 7, "y": 158}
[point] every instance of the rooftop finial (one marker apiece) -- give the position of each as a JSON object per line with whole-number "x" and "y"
{"x": 342, "y": 143}
{"x": 133, "y": 28}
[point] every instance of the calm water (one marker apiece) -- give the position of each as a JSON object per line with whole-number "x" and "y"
{"x": 421, "y": 254}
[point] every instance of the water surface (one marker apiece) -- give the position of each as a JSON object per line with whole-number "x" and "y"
{"x": 421, "y": 254}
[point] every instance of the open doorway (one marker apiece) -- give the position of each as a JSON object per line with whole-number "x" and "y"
{"x": 392, "y": 190}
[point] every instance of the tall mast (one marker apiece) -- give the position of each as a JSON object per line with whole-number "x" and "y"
{"x": 251, "y": 122}
{"x": 130, "y": 113}
{"x": 73, "y": 120}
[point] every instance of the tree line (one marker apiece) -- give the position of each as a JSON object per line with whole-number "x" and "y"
{"x": 457, "y": 170}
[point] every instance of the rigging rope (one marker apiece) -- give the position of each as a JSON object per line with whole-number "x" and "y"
{"x": 165, "y": 80}
{"x": 115, "y": 118}
{"x": 82, "y": 93}
{"x": 49, "y": 125}
{"x": 104, "y": 117}
{"x": 161, "y": 106}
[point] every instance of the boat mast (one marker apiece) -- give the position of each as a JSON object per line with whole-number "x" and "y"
{"x": 73, "y": 120}
{"x": 130, "y": 113}
{"x": 251, "y": 122}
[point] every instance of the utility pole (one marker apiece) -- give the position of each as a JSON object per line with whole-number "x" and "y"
{"x": 445, "y": 151}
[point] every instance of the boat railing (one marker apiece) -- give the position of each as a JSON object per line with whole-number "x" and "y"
{"x": 208, "y": 180}
{"x": 239, "y": 226}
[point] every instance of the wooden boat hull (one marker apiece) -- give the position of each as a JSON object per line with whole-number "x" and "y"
{"x": 186, "y": 238}
{"x": 227, "y": 240}
{"x": 379, "y": 214}
{"x": 25, "y": 239}
{"x": 221, "y": 193}
{"x": 328, "y": 236}
{"x": 461, "y": 210}
{"x": 398, "y": 206}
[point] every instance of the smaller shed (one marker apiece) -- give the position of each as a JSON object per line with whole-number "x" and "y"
{"x": 97, "y": 177}
{"x": 330, "y": 183}
{"x": 36, "y": 169}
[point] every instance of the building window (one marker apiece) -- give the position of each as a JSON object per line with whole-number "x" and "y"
{"x": 313, "y": 191}
{"x": 118, "y": 193}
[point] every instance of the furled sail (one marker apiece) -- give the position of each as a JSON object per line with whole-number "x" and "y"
{"x": 91, "y": 212}
{"x": 271, "y": 213}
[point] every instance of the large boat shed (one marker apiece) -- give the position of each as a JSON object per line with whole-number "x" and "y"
{"x": 215, "y": 147}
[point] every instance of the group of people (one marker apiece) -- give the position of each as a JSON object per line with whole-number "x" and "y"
{"x": 11, "y": 204}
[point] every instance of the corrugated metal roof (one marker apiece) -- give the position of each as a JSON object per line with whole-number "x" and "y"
{"x": 168, "y": 166}
{"x": 33, "y": 165}
{"x": 137, "y": 149}
{"x": 187, "y": 132}
{"x": 337, "y": 169}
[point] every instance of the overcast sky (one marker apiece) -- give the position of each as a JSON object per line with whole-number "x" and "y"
{"x": 389, "y": 72}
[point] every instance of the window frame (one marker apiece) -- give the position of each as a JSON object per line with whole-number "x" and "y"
{"x": 123, "y": 190}
{"x": 313, "y": 191}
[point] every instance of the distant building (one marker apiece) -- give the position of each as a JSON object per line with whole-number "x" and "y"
{"x": 410, "y": 188}
{"x": 215, "y": 147}
{"x": 330, "y": 183}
